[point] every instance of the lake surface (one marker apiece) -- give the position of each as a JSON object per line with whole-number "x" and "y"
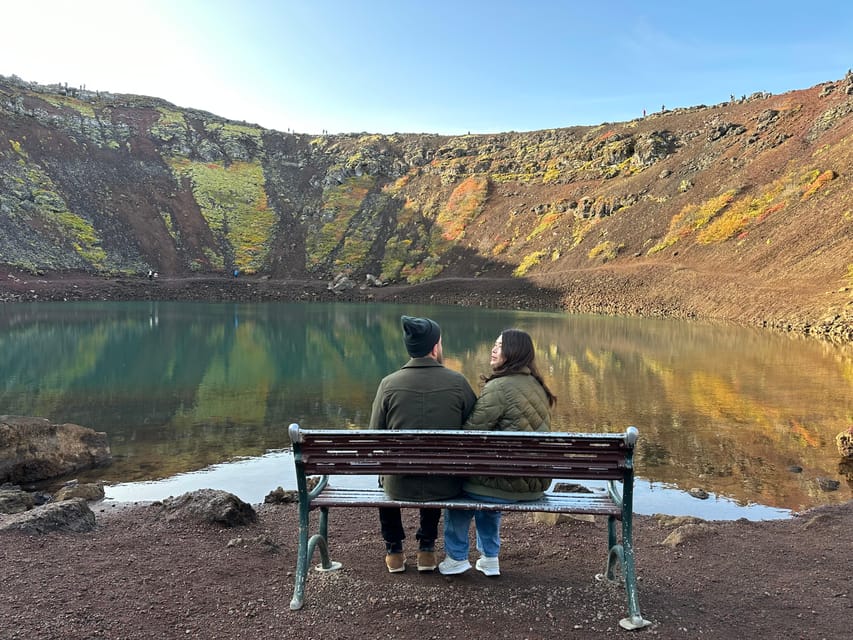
{"x": 197, "y": 395}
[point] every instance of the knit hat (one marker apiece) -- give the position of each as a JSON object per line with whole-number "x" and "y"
{"x": 420, "y": 335}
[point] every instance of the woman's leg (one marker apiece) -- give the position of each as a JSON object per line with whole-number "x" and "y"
{"x": 488, "y": 532}
{"x": 456, "y": 525}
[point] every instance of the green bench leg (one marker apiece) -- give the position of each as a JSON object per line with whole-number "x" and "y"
{"x": 306, "y": 551}
{"x": 623, "y": 554}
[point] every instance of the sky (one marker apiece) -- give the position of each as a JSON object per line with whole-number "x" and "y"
{"x": 428, "y": 66}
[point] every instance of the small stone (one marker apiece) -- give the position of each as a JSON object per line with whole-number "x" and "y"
{"x": 828, "y": 484}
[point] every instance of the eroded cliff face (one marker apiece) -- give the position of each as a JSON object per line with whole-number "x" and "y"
{"x": 697, "y": 205}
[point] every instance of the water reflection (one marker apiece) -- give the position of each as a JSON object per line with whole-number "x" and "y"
{"x": 746, "y": 415}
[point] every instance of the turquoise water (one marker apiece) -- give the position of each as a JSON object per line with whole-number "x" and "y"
{"x": 201, "y": 394}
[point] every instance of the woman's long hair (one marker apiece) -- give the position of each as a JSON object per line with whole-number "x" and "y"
{"x": 518, "y": 353}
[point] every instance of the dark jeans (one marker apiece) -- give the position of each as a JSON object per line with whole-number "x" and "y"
{"x": 392, "y": 528}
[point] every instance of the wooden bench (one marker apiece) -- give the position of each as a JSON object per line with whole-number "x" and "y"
{"x": 569, "y": 456}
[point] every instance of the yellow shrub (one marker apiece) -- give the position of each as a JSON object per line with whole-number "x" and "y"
{"x": 817, "y": 183}
{"x": 528, "y": 262}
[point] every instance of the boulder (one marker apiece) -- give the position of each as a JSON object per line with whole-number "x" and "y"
{"x": 14, "y": 500}
{"x": 209, "y": 505}
{"x": 686, "y": 532}
{"x": 69, "y": 516}
{"x": 34, "y": 449}
{"x": 89, "y": 491}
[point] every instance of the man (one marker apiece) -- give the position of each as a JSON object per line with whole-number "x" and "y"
{"x": 424, "y": 394}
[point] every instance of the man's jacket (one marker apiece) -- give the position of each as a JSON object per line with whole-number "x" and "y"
{"x": 424, "y": 394}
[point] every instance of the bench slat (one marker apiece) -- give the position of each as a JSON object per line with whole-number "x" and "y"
{"x": 456, "y": 468}
{"x": 583, "y": 456}
{"x": 598, "y": 503}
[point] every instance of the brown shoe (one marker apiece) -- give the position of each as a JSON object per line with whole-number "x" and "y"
{"x": 427, "y": 561}
{"x": 396, "y": 562}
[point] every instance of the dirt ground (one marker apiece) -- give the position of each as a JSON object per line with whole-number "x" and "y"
{"x": 140, "y": 576}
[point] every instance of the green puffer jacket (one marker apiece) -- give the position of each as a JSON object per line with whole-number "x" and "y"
{"x": 515, "y": 402}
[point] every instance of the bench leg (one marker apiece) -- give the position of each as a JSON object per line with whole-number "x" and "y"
{"x": 623, "y": 555}
{"x": 306, "y": 551}
{"x": 301, "y": 560}
{"x": 321, "y": 542}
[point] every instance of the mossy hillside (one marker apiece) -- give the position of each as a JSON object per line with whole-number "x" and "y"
{"x": 38, "y": 219}
{"x": 465, "y": 203}
{"x": 233, "y": 201}
{"x": 701, "y": 181}
{"x": 327, "y": 237}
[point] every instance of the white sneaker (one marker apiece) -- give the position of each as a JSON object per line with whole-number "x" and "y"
{"x": 451, "y": 567}
{"x": 488, "y": 566}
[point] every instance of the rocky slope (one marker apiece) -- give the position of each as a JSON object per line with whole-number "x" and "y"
{"x": 738, "y": 211}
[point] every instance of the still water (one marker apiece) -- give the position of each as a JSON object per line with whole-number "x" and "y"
{"x": 197, "y": 395}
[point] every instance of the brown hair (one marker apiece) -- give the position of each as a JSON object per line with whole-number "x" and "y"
{"x": 518, "y": 353}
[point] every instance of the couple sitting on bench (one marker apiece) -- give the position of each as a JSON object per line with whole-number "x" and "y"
{"x": 424, "y": 394}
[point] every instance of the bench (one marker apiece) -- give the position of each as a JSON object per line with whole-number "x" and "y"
{"x": 570, "y": 456}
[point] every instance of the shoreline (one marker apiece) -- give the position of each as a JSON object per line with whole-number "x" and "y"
{"x": 597, "y": 292}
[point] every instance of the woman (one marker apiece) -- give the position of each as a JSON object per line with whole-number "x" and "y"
{"x": 514, "y": 398}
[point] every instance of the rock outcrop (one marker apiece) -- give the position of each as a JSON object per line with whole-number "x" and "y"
{"x": 34, "y": 449}
{"x": 209, "y": 505}
{"x": 68, "y": 516}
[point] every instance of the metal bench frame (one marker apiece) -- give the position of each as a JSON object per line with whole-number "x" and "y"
{"x": 570, "y": 456}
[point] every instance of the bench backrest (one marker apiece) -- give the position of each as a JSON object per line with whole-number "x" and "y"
{"x": 607, "y": 456}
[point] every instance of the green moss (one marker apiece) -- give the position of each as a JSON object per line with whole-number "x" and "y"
{"x": 547, "y": 221}
{"x": 581, "y": 228}
{"x": 233, "y": 202}
{"x": 552, "y": 174}
{"x": 170, "y": 117}
{"x": 169, "y": 124}
{"x": 213, "y": 258}
{"x": 233, "y": 131}
{"x": 83, "y": 108}
{"x": 605, "y": 251}
{"x": 83, "y": 237}
{"x": 340, "y": 204}
{"x": 528, "y": 262}
{"x": 16, "y": 147}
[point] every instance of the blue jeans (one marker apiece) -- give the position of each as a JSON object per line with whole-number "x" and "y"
{"x": 488, "y": 523}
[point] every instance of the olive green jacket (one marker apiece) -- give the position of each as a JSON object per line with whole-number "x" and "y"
{"x": 516, "y": 402}
{"x": 424, "y": 394}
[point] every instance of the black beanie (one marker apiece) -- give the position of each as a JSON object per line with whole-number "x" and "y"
{"x": 420, "y": 335}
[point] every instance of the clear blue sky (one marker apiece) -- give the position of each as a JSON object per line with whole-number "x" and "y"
{"x": 428, "y": 66}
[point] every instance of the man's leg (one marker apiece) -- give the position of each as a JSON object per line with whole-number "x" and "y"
{"x": 427, "y": 533}
{"x": 391, "y": 523}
